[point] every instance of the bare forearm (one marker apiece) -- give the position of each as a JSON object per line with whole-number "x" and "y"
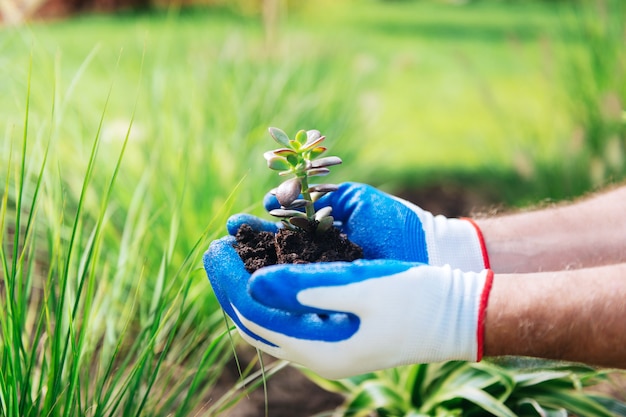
{"x": 577, "y": 315}
{"x": 588, "y": 233}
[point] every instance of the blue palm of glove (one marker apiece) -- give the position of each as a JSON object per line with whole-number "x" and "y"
{"x": 278, "y": 287}
{"x": 383, "y": 226}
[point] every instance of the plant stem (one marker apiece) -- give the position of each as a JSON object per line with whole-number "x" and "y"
{"x": 309, "y": 209}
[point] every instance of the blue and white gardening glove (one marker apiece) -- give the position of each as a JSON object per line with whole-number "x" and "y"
{"x": 387, "y": 227}
{"x": 341, "y": 319}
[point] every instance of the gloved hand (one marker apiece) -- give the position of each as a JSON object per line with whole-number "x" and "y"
{"x": 341, "y": 319}
{"x": 387, "y": 227}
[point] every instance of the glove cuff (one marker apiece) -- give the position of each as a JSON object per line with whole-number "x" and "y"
{"x": 481, "y": 242}
{"x": 455, "y": 242}
{"x": 482, "y": 313}
{"x": 454, "y": 303}
{"x": 450, "y": 241}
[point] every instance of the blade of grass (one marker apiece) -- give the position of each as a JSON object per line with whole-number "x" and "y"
{"x": 13, "y": 320}
{"x": 264, "y": 379}
{"x": 205, "y": 362}
{"x": 245, "y": 386}
{"x": 8, "y": 398}
{"x": 60, "y": 352}
{"x": 14, "y": 310}
{"x": 30, "y": 362}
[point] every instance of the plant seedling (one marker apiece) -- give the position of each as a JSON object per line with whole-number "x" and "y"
{"x": 309, "y": 235}
{"x": 300, "y": 159}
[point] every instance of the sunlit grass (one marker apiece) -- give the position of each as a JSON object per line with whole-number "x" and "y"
{"x": 124, "y": 156}
{"x": 477, "y": 87}
{"x": 442, "y": 84}
{"x": 105, "y": 309}
{"x": 89, "y": 326}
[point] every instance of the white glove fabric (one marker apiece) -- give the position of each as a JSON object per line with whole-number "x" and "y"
{"x": 341, "y": 319}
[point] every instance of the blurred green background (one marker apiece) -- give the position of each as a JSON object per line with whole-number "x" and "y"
{"x": 520, "y": 100}
{"x": 459, "y": 106}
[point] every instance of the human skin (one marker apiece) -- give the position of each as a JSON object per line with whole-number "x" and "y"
{"x": 559, "y": 289}
{"x": 590, "y": 232}
{"x": 575, "y": 315}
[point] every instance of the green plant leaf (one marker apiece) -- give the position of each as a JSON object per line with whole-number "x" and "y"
{"x": 415, "y": 382}
{"x": 493, "y": 379}
{"x": 312, "y": 135}
{"x": 373, "y": 395}
{"x": 279, "y": 136}
{"x": 278, "y": 163}
{"x": 287, "y": 213}
{"x": 323, "y": 212}
{"x": 284, "y": 152}
{"x": 448, "y": 375}
{"x": 295, "y": 145}
{"x": 318, "y": 172}
{"x": 324, "y": 223}
{"x": 323, "y": 188}
{"x": 294, "y": 160}
{"x": 575, "y": 402}
{"x": 614, "y": 405}
{"x": 531, "y": 404}
{"x": 326, "y": 162}
{"x": 338, "y": 386}
{"x": 451, "y": 380}
{"x": 481, "y": 398}
{"x": 539, "y": 377}
{"x": 292, "y": 156}
{"x": 317, "y": 151}
{"x": 301, "y": 137}
{"x": 299, "y": 203}
{"x": 313, "y": 144}
{"x": 300, "y": 222}
{"x": 288, "y": 191}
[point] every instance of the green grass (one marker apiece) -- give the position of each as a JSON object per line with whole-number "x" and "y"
{"x": 127, "y": 140}
{"x": 89, "y": 327}
{"x": 431, "y": 88}
{"x": 452, "y": 83}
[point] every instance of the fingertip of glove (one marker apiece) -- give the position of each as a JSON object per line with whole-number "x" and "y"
{"x": 235, "y": 221}
{"x": 270, "y": 202}
{"x": 217, "y": 248}
{"x": 224, "y": 241}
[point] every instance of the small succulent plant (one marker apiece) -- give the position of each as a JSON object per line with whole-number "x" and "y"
{"x": 300, "y": 159}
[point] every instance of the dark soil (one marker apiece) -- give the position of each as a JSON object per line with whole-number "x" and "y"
{"x": 259, "y": 249}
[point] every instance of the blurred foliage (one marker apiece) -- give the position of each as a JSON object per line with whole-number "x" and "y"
{"x": 521, "y": 388}
{"x": 595, "y": 80}
{"x": 486, "y": 98}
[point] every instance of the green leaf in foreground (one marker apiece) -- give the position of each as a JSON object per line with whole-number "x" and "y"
{"x": 459, "y": 388}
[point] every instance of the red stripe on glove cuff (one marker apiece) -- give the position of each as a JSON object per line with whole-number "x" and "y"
{"x": 481, "y": 240}
{"x": 482, "y": 312}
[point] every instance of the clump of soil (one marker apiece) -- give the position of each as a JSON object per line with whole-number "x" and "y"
{"x": 259, "y": 249}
